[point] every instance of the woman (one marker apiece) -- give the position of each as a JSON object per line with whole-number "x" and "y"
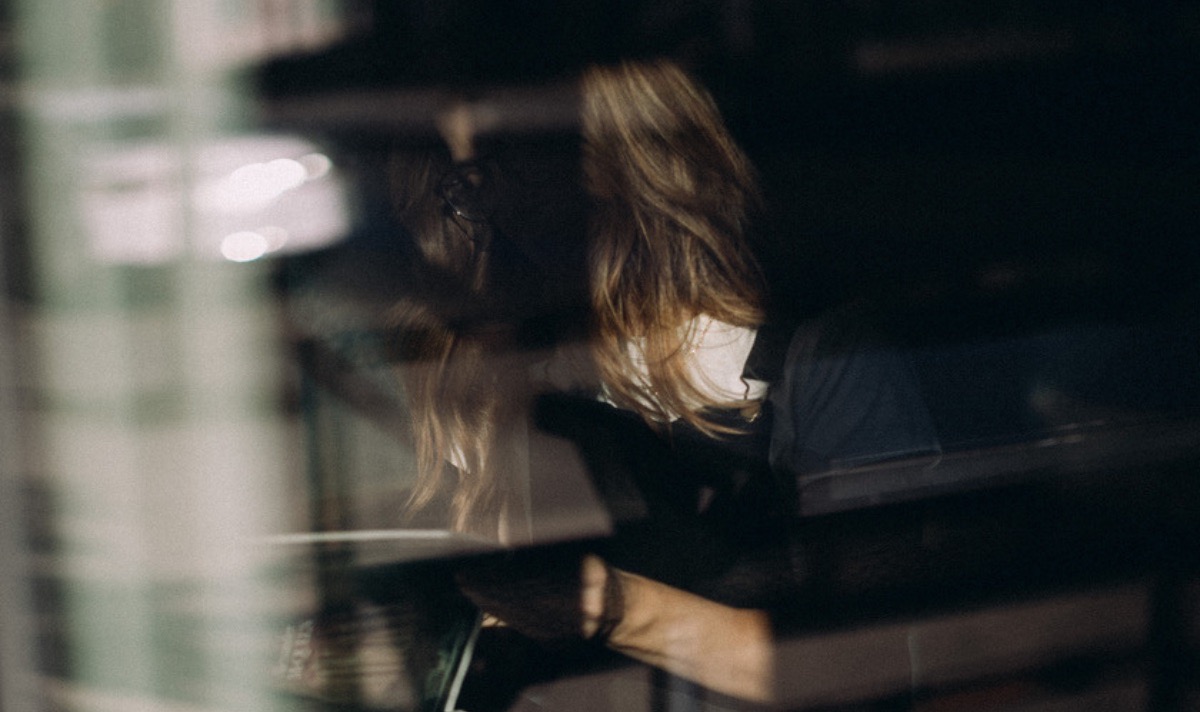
{"x": 676, "y": 292}
{"x": 681, "y": 343}
{"x": 498, "y": 262}
{"x": 677, "y": 299}
{"x": 462, "y": 401}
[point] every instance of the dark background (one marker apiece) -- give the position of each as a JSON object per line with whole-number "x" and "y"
{"x": 1015, "y": 161}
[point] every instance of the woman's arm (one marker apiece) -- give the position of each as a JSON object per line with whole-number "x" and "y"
{"x": 728, "y": 650}
{"x": 548, "y": 597}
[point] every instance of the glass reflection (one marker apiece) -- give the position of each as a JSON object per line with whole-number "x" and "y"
{"x": 240, "y": 356}
{"x": 150, "y": 391}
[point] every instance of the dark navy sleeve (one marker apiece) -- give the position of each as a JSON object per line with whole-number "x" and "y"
{"x": 846, "y": 396}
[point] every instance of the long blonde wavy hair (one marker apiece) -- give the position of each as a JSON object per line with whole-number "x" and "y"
{"x": 673, "y": 194}
{"x": 464, "y": 393}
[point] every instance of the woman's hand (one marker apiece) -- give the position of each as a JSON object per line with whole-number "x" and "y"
{"x": 725, "y": 649}
{"x": 548, "y": 597}
{"x": 536, "y": 592}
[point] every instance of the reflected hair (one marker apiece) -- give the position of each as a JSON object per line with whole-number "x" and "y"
{"x": 672, "y": 194}
{"x": 460, "y": 399}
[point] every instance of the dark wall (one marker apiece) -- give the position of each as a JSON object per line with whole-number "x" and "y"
{"x": 1015, "y": 160}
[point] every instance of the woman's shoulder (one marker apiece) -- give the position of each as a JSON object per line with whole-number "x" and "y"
{"x": 846, "y": 393}
{"x": 787, "y": 335}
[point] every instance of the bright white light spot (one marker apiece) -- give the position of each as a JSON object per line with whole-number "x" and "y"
{"x": 268, "y": 179}
{"x": 244, "y": 246}
{"x": 316, "y": 165}
{"x": 286, "y": 174}
{"x": 253, "y": 186}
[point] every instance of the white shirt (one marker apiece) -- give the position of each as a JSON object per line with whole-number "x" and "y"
{"x": 717, "y": 357}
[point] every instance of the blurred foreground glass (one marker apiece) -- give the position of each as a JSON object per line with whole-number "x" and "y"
{"x": 147, "y": 387}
